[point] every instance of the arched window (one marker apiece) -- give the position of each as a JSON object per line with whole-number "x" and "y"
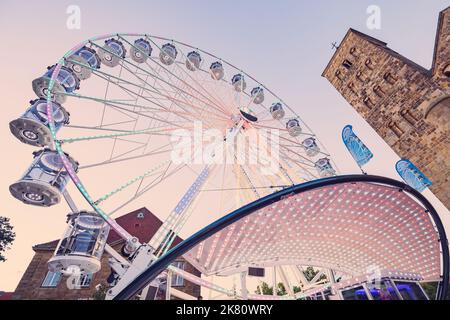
{"x": 409, "y": 116}
{"x": 361, "y": 76}
{"x": 378, "y": 91}
{"x": 396, "y": 128}
{"x": 447, "y": 71}
{"x": 351, "y": 86}
{"x": 439, "y": 113}
{"x": 369, "y": 64}
{"x": 347, "y": 64}
{"x": 354, "y": 51}
{"x": 368, "y": 102}
{"x": 389, "y": 78}
{"x": 338, "y": 74}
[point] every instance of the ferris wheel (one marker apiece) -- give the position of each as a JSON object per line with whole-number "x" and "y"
{"x": 109, "y": 121}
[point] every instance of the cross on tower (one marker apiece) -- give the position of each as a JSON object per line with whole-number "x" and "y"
{"x": 334, "y": 45}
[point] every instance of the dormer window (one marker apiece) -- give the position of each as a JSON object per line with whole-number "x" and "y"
{"x": 395, "y": 128}
{"x": 447, "y": 71}
{"x": 354, "y": 51}
{"x": 378, "y": 91}
{"x": 347, "y": 64}
{"x": 409, "y": 116}
{"x": 368, "y": 102}
{"x": 389, "y": 78}
{"x": 369, "y": 63}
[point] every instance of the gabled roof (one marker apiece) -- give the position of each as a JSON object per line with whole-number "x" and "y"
{"x": 378, "y": 43}
{"x": 140, "y": 223}
{"x": 438, "y": 35}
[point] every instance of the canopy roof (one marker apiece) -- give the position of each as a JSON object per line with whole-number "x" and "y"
{"x": 355, "y": 223}
{"x": 352, "y": 227}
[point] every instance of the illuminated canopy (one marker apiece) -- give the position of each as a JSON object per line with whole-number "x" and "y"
{"x": 350, "y": 227}
{"x": 349, "y": 223}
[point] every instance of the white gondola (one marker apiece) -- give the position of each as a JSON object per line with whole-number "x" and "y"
{"x": 277, "y": 111}
{"x": 311, "y": 147}
{"x": 112, "y": 52}
{"x": 168, "y": 54}
{"x": 294, "y": 128}
{"x": 82, "y": 245}
{"x": 141, "y": 50}
{"x": 193, "y": 61}
{"x": 257, "y": 95}
{"x": 44, "y": 181}
{"x": 217, "y": 70}
{"x": 32, "y": 127}
{"x": 66, "y": 82}
{"x": 83, "y": 62}
{"x": 324, "y": 168}
{"x": 238, "y": 82}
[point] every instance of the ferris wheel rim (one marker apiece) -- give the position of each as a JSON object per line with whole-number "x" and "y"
{"x": 57, "y": 145}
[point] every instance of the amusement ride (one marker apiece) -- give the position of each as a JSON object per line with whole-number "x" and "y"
{"x": 108, "y": 122}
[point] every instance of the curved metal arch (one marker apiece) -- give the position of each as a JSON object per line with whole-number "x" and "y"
{"x": 161, "y": 264}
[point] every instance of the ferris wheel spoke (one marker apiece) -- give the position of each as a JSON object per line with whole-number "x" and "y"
{"x": 141, "y": 69}
{"x": 141, "y": 177}
{"x": 308, "y": 161}
{"x": 174, "y": 102}
{"x": 182, "y": 92}
{"x": 147, "y": 188}
{"x": 154, "y": 152}
{"x": 172, "y": 98}
{"x": 117, "y": 107}
{"x": 280, "y": 129}
{"x": 152, "y": 131}
{"x": 216, "y": 104}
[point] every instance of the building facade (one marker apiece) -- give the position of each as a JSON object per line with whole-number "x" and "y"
{"x": 406, "y": 104}
{"x": 39, "y": 283}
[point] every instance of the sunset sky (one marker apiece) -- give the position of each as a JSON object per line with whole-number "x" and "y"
{"x": 285, "y": 44}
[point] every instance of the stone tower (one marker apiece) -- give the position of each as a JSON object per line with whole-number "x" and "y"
{"x": 408, "y": 105}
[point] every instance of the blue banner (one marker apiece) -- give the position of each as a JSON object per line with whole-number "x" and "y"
{"x": 357, "y": 148}
{"x": 412, "y": 175}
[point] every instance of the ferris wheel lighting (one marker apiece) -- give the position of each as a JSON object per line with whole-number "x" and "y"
{"x": 82, "y": 244}
{"x": 168, "y": 54}
{"x": 193, "y": 61}
{"x": 238, "y": 82}
{"x": 44, "y": 181}
{"x": 112, "y": 53}
{"x": 31, "y": 128}
{"x": 66, "y": 82}
{"x": 141, "y": 50}
{"x": 257, "y": 95}
{"x": 294, "y": 128}
{"x": 217, "y": 71}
